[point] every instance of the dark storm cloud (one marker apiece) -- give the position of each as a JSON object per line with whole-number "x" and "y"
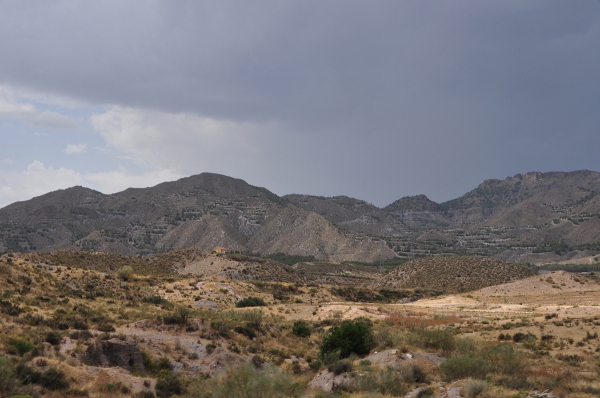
{"x": 395, "y": 98}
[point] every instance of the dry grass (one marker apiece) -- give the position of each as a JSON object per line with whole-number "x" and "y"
{"x": 564, "y": 367}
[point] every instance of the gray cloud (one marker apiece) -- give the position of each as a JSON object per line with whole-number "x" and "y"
{"x": 371, "y": 99}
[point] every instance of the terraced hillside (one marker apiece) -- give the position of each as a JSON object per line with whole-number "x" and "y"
{"x": 337, "y": 274}
{"x": 452, "y": 274}
{"x": 201, "y": 211}
{"x": 533, "y": 217}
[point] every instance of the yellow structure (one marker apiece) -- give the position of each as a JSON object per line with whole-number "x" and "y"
{"x": 220, "y": 250}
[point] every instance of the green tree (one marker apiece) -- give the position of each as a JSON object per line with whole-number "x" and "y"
{"x": 353, "y": 337}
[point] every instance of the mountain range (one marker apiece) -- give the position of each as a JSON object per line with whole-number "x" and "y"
{"x": 534, "y": 217}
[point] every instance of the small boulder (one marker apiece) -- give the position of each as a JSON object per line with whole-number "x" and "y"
{"x": 115, "y": 352}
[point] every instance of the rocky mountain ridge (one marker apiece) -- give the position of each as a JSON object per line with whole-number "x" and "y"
{"x": 201, "y": 211}
{"x": 535, "y": 217}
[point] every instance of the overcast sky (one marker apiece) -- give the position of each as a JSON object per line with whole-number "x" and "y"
{"x": 370, "y": 99}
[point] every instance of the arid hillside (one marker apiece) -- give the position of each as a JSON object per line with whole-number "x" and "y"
{"x": 452, "y": 274}
{"x": 531, "y": 217}
{"x": 201, "y": 212}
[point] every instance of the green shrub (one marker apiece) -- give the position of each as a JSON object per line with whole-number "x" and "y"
{"x": 387, "y": 382}
{"x": 505, "y": 359}
{"x": 53, "y": 338}
{"x": 22, "y": 346}
{"x": 106, "y": 327}
{"x": 301, "y": 329}
{"x": 164, "y": 363}
{"x": 248, "y": 381}
{"x": 436, "y": 339}
{"x": 28, "y": 375}
{"x": 157, "y": 300}
{"x": 148, "y": 363}
{"x": 251, "y": 302}
{"x": 466, "y": 346}
{"x": 54, "y": 379}
{"x": 125, "y": 273}
{"x": 473, "y": 388}
{"x": 340, "y": 367}
{"x": 353, "y": 337}
{"x": 180, "y": 316}
{"x": 415, "y": 374}
{"x": 80, "y": 324}
{"x": 464, "y": 366}
{"x": 221, "y": 328}
{"x": 258, "y": 361}
{"x": 168, "y": 386}
{"x": 316, "y": 365}
{"x": 7, "y": 374}
{"x": 387, "y": 337}
{"x": 246, "y": 331}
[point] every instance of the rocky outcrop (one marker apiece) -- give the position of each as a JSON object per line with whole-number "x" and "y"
{"x": 115, "y": 352}
{"x": 327, "y": 381}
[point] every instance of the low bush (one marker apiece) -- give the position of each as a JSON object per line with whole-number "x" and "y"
{"x": 442, "y": 340}
{"x": 351, "y": 337}
{"x": 473, "y": 388}
{"x": 505, "y": 359}
{"x": 106, "y": 327}
{"x": 54, "y": 379}
{"x": 22, "y": 346}
{"x": 251, "y": 302}
{"x": 7, "y": 375}
{"x": 340, "y": 367}
{"x": 221, "y": 328}
{"x": 168, "y": 386}
{"x": 414, "y": 374}
{"x": 125, "y": 273}
{"x": 164, "y": 364}
{"x": 258, "y": 361}
{"x": 522, "y": 337}
{"x": 180, "y": 316}
{"x": 53, "y": 338}
{"x": 27, "y": 375}
{"x": 246, "y": 331}
{"x": 148, "y": 363}
{"x": 301, "y": 329}
{"x": 248, "y": 381}
{"x": 157, "y": 300}
{"x": 466, "y": 346}
{"x": 386, "y": 382}
{"x": 80, "y": 324}
{"x": 464, "y": 366}
{"x": 388, "y": 337}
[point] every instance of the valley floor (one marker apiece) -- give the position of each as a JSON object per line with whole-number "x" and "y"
{"x": 70, "y": 331}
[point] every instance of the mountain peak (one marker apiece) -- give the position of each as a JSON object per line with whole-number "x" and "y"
{"x": 413, "y": 203}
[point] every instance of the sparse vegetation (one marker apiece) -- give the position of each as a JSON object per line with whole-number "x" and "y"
{"x": 162, "y": 318}
{"x": 248, "y": 381}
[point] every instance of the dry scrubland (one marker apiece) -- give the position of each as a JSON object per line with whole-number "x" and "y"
{"x": 104, "y": 325}
{"x": 453, "y": 274}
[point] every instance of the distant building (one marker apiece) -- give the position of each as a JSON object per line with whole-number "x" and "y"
{"x": 220, "y": 250}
